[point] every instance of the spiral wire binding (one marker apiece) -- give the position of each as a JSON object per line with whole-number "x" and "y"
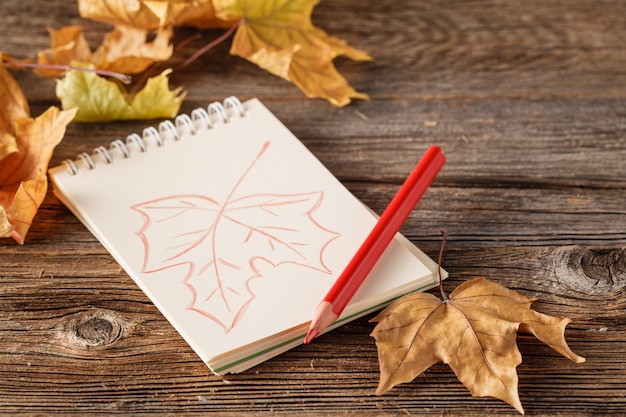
{"x": 166, "y": 131}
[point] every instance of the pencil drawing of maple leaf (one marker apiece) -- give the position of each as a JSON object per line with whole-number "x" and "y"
{"x": 222, "y": 243}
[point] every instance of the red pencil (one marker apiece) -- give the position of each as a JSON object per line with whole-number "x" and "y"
{"x": 377, "y": 241}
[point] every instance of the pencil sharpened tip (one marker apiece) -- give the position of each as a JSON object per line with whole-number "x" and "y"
{"x": 312, "y": 334}
{"x": 324, "y": 317}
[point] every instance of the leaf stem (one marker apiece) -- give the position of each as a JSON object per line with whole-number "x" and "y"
{"x": 211, "y": 45}
{"x": 444, "y": 232}
{"x": 186, "y": 41}
{"x": 122, "y": 77}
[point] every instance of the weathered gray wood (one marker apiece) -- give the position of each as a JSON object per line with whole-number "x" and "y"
{"x": 527, "y": 99}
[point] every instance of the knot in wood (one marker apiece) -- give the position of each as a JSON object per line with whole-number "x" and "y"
{"x": 598, "y": 271}
{"x": 94, "y": 328}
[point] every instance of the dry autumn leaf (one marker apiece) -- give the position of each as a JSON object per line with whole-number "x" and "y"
{"x": 26, "y": 147}
{"x": 474, "y": 332}
{"x": 99, "y": 99}
{"x": 277, "y": 36}
{"x": 125, "y": 50}
{"x": 280, "y": 38}
{"x": 153, "y": 14}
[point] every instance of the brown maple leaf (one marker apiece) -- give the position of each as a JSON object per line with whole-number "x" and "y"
{"x": 474, "y": 332}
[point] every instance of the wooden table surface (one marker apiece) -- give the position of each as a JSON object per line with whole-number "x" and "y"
{"x": 527, "y": 99}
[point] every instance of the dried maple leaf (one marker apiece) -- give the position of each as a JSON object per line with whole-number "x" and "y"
{"x": 279, "y": 37}
{"x": 152, "y": 14}
{"x": 474, "y": 332}
{"x": 222, "y": 243}
{"x": 124, "y": 50}
{"x": 26, "y": 147}
{"x": 99, "y": 99}
{"x": 66, "y": 45}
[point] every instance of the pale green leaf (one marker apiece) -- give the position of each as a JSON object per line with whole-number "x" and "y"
{"x": 100, "y": 100}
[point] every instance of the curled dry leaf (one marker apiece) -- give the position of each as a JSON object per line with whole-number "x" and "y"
{"x": 153, "y": 14}
{"x": 101, "y": 100}
{"x": 26, "y": 147}
{"x": 474, "y": 332}
{"x": 280, "y": 38}
{"x": 124, "y": 50}
{"x": 277, "y": 36}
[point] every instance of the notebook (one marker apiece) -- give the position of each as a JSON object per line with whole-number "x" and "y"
{"x": 233, "y": 229}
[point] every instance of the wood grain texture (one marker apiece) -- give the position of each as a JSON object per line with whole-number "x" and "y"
{"x": 527, "y": 99}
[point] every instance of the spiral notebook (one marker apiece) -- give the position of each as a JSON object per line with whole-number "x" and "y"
{"x": 233, "y": 229}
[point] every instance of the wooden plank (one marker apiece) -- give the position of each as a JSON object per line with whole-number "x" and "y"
{"x": 431, "y": 50}
{"x": 500, "y": 143}
{"x": 140, "y": 362}
{"x": 95, "y": 318}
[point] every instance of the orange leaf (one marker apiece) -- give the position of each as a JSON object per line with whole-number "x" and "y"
{"x": 23, "y": 165}
{"x": 280, "y": 38}
{"x": 6, "y": 228}
{"x": 8, "y": 145}
{"x": 152, "y": 14}
{"x": 13, "y": 101}
{"x": 474, "y": 332}
{"x": 66, "y": 45}
{"x": 124, "y": 50}
{"x": 24, "y": 206}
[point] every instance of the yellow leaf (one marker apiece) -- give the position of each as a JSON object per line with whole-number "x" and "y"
{"x": 100, "y": 100}
{"x": 474, "y": 332}
{"x": 280, "y": 34}
{"x": 23, "y": 183}
{"x": 278, "y": 63}
{"x": 124, "y": 50}
{"x": 152, "y": 14}
{"x": 155, "y": 100}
